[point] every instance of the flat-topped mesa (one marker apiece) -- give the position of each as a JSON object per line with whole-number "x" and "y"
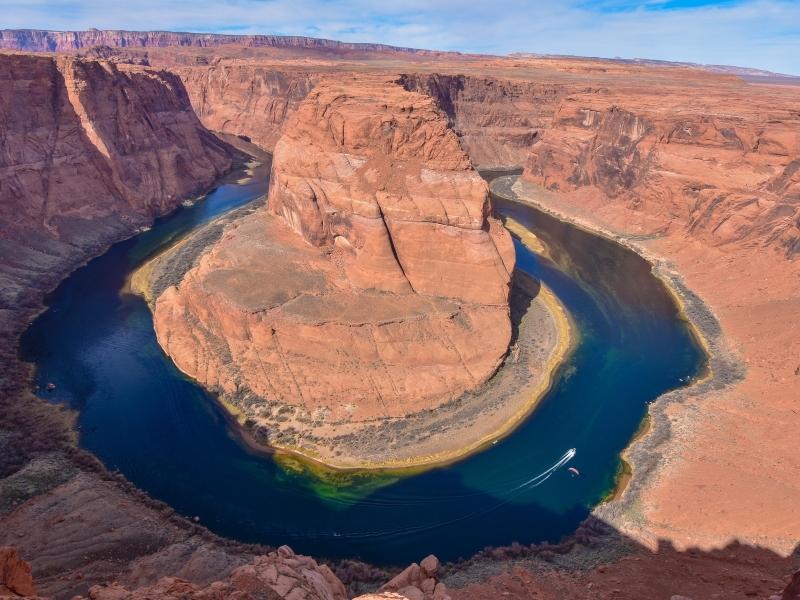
{"x": 375, "y": 173}
{"x": 375, "y": 285}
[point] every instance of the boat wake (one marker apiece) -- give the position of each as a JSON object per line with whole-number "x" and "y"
{"x": 508, "y": 495}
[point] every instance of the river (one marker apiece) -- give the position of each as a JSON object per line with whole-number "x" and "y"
{"x": 141, "y": 416}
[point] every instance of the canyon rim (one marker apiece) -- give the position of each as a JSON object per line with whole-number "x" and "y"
{"x": 363, "y": 315}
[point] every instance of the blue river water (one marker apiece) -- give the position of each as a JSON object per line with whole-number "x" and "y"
{"x": 141, "y": 416}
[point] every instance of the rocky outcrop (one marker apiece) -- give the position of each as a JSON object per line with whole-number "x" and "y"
{"x": 725, "y": 172}
{"x": 416, "y": 582}
{"x": 376, "y": 173}
{"x": 276, "y": 576}
{"x": 280, "y": 575}
{"x": 37, "y": 40}
{"x": 15, "y": 574}
{"x": 283, "y": 575}
{"x": 375, "y": 285}
{"x": 91, "y": 152}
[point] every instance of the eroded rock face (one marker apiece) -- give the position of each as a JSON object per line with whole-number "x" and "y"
{"x": 416, "y": 582}
{"x": 724, "y": 174}
{"x": 243, "y": 99}
{"x": 276, "y": 576}
{"x": 377, "y": 174}
{"x": 91, "y": 152}
{"x": 498, "y": 119}
{"x": 374, "y": 285}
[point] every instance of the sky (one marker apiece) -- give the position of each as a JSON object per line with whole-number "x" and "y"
{"x": 763, "y": 34}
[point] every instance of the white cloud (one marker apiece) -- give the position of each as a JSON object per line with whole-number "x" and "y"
{"x": 755, "y": 33}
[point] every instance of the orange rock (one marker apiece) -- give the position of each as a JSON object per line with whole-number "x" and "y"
{"x": 416, "y": 582}
{"x": 15, "y": 574}
{"x": 376, "y": 284}
{"x": 92, "y": 152}
{"x": 248, "y": 100}
{"x": 719, "y": 169}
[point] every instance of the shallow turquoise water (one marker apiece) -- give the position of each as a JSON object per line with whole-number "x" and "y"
{"x": 141, "y": 416}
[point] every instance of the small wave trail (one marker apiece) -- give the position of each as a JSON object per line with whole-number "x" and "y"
{"x": 512, "y": 493}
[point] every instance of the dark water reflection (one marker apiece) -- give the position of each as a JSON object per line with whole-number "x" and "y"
{"x": 141, "y": 416}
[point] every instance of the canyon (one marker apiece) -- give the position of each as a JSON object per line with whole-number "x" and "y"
{"x": 722, "y": 175}
{"x": 91, "y": 153}
{"x": 389, "y": 288}
{"x": 697, "y": 171}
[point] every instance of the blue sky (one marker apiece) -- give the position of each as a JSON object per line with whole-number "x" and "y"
{"x": 755, "y": 33}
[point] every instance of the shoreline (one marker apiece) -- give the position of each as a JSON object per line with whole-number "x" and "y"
{"x": 406, "y": 467}
{"x": 642, "y": 455}
{"x": 523, "y": 404}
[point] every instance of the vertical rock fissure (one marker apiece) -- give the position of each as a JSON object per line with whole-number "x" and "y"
{"x": 393, "y": 246}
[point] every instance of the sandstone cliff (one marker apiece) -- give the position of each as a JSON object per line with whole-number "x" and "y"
{"x": 37, "y": 40}
{"x": 87, "y": 153}
{"x": 498, "y": 120}
{"x": 249, "y": 100}
{"x": 376, "y": 285}
{"x": 724, "y": 167}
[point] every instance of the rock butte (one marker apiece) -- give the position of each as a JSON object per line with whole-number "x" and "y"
{"x": 374, "y": 285}
{"x": 700, "y": 169}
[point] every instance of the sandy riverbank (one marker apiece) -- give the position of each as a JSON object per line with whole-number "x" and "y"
{"x": 543, "y": 339}
{"x": 719, "y": 452}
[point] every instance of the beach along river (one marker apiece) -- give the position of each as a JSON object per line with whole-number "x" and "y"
{"x": 140, "y": 415}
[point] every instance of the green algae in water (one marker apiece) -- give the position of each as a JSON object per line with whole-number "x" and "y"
{"x": 337, "y": 486}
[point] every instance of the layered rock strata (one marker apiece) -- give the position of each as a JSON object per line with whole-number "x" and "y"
{"x": 38, "y": 40}
{"x": 724, "y": 169}
{"x": 246, "y": 99}
{"x": 498, "y": 120}
{"x": 87, "y": 153}
{"x": 376, "y": 283}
